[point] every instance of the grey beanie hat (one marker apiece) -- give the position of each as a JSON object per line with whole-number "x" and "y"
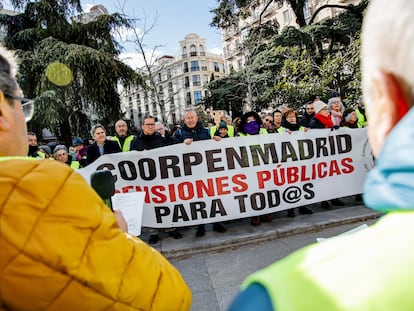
{"x": 60, "y": 147}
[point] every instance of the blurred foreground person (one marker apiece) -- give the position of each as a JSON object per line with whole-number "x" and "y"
{"x": 61, "y": 248}
{"x": 371, "y": 269}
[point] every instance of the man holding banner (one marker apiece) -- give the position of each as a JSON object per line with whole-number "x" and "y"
{"x": 194, "y": 130}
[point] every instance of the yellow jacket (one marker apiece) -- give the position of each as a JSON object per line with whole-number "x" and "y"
{"x": 61, "y": 248}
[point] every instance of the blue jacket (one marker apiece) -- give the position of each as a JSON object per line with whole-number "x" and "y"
{"x": 199, "y": 132}
{"x": 390, "y": 185}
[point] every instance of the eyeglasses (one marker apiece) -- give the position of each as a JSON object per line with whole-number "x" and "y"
{"x": 27, "y": 105}
{"x": 268, "y": 120}
{"x": 149, "y": 124}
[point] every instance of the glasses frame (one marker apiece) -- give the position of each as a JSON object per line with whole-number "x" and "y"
{"x": 24, "y": 102}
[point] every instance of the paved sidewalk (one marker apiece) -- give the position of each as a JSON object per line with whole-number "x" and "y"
{"x": 240, "y": 232}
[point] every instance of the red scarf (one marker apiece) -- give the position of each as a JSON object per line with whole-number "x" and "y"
{"x": 326, "y": 121}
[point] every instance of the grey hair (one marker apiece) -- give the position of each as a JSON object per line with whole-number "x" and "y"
{"x": 95, "y": 127}
{"x": 388, "y": 48}
{"x": 8, "y": 70}
{"x": 334, "y": 100}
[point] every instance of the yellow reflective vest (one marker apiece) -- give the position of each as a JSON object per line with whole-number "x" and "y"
{"x": 371, "y": 269}
{"x": 127, "y": 143}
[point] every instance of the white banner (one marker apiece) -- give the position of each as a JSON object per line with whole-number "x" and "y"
{"x": 210, "y": 181}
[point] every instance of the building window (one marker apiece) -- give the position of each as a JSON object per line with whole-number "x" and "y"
{"x": 203, "y": 65}
{"x": 185, "y": 67}
{"x": 186, "y": 82}
{"x": 170, "y": 88}
{"x": 216, "y": 67}
{"x": 188, "y": 100}
{"x": 286, "y": 16}
{"x": 195, "y": 66}
{"x": 205, "y": 79}
{"x": 193, "y": 51}
{"x": 228, "y": 50}
{"x": 201, "y": 49}
{"x": 168, "y": 73}
{"x": 238, "y": 45}
{"x": 196, "y": 80}
{"x": 197, "y": 97}
{"x": 184, "y": 52}
{"x": 245, "y": 34}
{"x": 307, "y": 12}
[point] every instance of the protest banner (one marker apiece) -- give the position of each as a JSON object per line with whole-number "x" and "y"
{"x": 210, "y": 181}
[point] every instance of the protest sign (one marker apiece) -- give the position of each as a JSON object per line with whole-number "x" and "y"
{"x": 211, "y": 181}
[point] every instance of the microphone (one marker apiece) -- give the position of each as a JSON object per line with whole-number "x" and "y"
{"x": 103, "y": 183}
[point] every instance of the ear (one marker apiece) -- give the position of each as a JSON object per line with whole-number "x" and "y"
{"x": 4, "y": 113}
{"x": 391, "y": 101}
{"x": 393, "y": 91}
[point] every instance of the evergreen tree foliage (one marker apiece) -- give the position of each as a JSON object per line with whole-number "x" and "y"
{"x": 290, "y": 66}
{"x": 49, "y": 31}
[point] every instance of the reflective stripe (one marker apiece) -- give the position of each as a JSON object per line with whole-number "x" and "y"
{"x": 127, "y": 142}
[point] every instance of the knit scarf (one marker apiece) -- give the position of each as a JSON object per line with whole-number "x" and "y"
{"x": 291, "y": 126}
{"x": 325, "y": 120}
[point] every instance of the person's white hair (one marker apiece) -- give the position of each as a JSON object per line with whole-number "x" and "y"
{"x": 334, "y": 100}
{"x": 388, "y": 49}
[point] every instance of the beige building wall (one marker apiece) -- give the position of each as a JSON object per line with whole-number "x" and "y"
{"x": 180, "y": 83}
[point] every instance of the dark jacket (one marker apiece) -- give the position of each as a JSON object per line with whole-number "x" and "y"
{"x": 147, "y": 142}
{"x": 93, "y": 150}
{"x": 199, "y": 132}
{"x": 305, "y": 120}
{"x": 316, "y": 124}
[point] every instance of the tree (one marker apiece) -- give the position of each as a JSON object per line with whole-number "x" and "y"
{"x": 48, "y": 33}
{"x": 227, "y": 93}
{"x": 287, "y": 68}
{"x": 228, "y": 11}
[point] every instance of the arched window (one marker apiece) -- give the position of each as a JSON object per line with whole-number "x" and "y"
{"x": 193, "y": 50}
{"x": 201, "y": 50}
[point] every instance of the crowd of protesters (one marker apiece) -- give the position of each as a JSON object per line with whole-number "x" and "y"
{"x": 153, "y": 134}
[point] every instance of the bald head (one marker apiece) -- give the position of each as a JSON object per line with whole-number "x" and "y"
{"x": 121, "y": 128}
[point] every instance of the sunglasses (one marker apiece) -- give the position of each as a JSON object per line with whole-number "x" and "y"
{"x": 27, "y": 105}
